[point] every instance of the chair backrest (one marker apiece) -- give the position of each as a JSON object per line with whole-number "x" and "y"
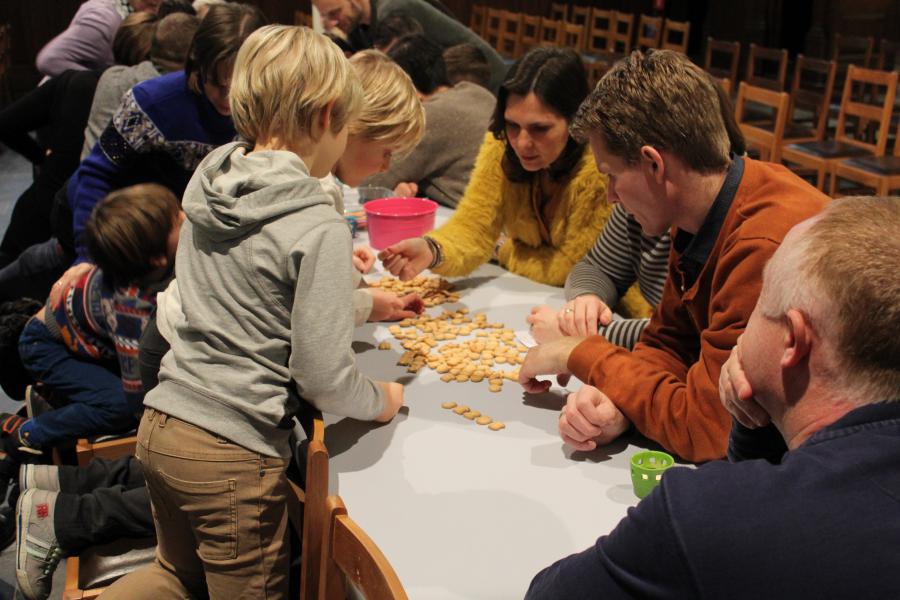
{"x": 675, "y": 36}
{"x": 888, "y": 58}
{"x": 864, "y": 111}
{"x": 649, "y": 32}
{"x": 477, "y": 18}
{"x": 600, "y": 31}
{"x": 721, "y": 52}
{"x": 551, "y": 33}
{"x": 726, "y": 85}
{"x": 853, "y": 50}
{"x": 811, "y": 90}
{"x": 559, "y": 11}
{"x": 493, "y": 20}
{"x": 622, "y": 33}
{"x": 767, "y": 67}
{"x": 529, "y": 34}
{"x": 572, "y": 36}
{"x": 767, "y": 141}
{"x": 351, "y": 555}
{"x": 508, "y": 39}
{"x": 581, "y": 15}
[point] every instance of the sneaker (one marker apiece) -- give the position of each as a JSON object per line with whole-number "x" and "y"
{"x": 39, "y": 477}
{"x": 35, "y": 402}
{"x": 37, "y": 551}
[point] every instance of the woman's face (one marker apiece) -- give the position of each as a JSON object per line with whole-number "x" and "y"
{"x": 216, "y": 87}
{"x": 362, "y": 159}
{"x": 537, "y": 133}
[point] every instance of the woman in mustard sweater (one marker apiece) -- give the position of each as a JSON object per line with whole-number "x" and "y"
{"x": 532, "y": 183}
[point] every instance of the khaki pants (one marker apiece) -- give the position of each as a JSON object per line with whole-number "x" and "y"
{"x": 221, "y": 518}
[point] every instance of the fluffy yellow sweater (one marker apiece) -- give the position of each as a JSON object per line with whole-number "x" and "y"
{"x": 493, "y": 205}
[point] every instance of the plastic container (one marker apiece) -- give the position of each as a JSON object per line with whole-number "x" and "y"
{"x": 391, "y": 220}
{"x": 647, "y": 469}
{"x": 368, "y": 193}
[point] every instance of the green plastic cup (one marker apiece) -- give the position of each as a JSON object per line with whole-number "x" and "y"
{"x": 647, "y": 469}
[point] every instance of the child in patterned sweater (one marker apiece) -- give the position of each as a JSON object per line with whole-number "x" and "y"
{"x": 85, "y": 347}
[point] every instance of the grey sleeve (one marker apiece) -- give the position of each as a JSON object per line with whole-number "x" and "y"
{"x": 322, "y": 362}
{"x": 624, "y": 332}
{"x": 608, "y": 269}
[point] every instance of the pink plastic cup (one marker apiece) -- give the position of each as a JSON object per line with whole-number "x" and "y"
{"x": 395, "y": 219}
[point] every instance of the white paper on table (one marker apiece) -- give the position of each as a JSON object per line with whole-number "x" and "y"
{"x": 524, "y": 336}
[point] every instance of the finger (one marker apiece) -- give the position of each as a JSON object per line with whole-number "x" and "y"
{"x": 579, "y": 318}
{"x": 754, "y": 412}
{"x": 533, "y": 386}
{"x": 586, "y": 446}
{"x": 404, "y": 314}
{"x": 591, "y": 319}
{"x": 740, "y": 416}
{"x": 577, "y": 426}
{"x": 563, "y": 379}
{"x": 605, "y": 317}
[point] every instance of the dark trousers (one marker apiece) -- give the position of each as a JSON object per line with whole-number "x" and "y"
{"x": 100, "y": 503}
{"x": 97, "y": 400}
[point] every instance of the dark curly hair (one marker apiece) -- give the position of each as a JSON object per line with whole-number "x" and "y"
{"x": 558, "y": 79}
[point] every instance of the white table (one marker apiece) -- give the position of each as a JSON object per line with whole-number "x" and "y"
{"x": 461, "y": 511}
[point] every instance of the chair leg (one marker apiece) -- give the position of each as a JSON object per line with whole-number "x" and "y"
{"x": 832, "y": 188}
{"x": 820, "y": 178}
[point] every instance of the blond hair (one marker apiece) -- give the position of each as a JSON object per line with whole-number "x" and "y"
{"x": 659, "y": 99}
{"x": 284, "y": 77}
{"x": 392, "y": 111}
{"x": 841, "y": 272}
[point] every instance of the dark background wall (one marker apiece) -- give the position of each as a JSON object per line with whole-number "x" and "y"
{"x": 800, "y": 25}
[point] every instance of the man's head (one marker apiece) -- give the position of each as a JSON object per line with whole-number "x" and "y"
{"x": 172, "y": 41}
{"x": 346, "y": 15}
{"x": 391, "y": 29}
{"x": 422, "y": 60}
{"x": 829, "y": 311}
{"x": 649, "y": 112}
{"x": 134, "y": 37}
{"x": 293, "y": 88}
{"x": 392, "y": 120}
{"x": 132, "y": 234}
{"x": 465, "y": 62}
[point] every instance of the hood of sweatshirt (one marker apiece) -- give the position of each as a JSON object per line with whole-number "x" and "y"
{"x": 235, "y": 199}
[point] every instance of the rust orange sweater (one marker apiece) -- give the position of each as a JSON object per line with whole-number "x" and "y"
{"x": 668, "y": 385}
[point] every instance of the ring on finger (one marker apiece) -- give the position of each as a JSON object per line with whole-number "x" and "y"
{"x": 569, "y": 310}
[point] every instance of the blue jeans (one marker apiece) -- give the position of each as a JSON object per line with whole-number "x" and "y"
{"x": 97, "y": 401}
{"x": 33, "y": 272}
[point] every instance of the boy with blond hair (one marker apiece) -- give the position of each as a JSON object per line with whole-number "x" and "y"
{"x": 264, "y": 278}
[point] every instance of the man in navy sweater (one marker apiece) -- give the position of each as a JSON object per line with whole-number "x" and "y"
{"x": 820, "y": 359}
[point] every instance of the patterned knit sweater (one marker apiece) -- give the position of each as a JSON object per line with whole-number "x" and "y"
{"x": 102, "y": 323}
{"x": 493, "y": 205}
{"x": 160, "y": 133}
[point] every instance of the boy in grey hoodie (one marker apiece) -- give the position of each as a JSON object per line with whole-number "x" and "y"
{"x": 265, "y": 279}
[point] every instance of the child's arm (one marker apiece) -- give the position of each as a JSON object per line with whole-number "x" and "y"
{"x": 322, "y": 361}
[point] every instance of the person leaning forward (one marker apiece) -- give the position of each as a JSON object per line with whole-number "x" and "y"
{"x": 727, "y": 215}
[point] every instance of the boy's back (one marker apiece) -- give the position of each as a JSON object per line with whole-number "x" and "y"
{"x": 264, "y": 276}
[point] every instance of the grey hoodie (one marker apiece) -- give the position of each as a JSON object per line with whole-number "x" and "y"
{"x": 265, "y": 279}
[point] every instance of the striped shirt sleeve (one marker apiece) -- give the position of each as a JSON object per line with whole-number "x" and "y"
{"x": 621, "y": 256}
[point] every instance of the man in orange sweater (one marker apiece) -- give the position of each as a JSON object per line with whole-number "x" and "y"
{"x": 655, "y": 127}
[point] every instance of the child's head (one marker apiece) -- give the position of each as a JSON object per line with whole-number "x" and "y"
{"x": 392, "y": 119}
{"x": 218, "y": 38}
{"x": 294, "y": 89}
{"x": 133, "y": 233}
{"x": 133, "y": 38}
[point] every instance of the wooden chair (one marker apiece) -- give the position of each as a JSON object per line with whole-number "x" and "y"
{"x": 529, "y": 34}
{"x": 572, "y": 36}
{"x": 821, "y": 156}
{"x": 850, "y": 50}
{"x": 622, "y": 34}
{"x": 302, "y": 18}
{"x": 881, "y": 173}
{"x": 760, "y": 71}
{"x": 551, "y": 33}
{"x": 767, "y": 143}
{"x": 726, "y": 85}
{"x": 649, "y": 32}
{"x": 888, "y": 58}
{"x": 675, "y": 36}
{"x": 352, "y": 556}
{"x": 477, "y": 18}
{"x": 599, "y": 33}
{"x": 559, "y": 11}
{"x": 109, "y": 447}
{"x": 811, "y": 91}
{"x": 492, "y": 24}
{"x": 581, "y": 15}
{"x": 508, "y": 39}
{"x": 720, "y": 52}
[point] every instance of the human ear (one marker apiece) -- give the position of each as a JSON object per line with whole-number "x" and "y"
{"x": 653, "y": 160}
{"x": 797, "y": 340}
{"x": 325, "y": 117}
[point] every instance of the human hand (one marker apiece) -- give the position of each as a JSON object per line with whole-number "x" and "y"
{"x": 544, "y": 327}
{"x": 363, "y": 259}
{"x": 387, "y": 306}
{"x": 590, "y": 419}
{"x": 393, "y": 400}
{"x": 737, "y": 395}
{"x": 551, "y": 358}
{"x": 581, "y": 315}
{"x": 68, "y": 278}
{"x": 406, "y": 259}
{"x": 406, "y": 189}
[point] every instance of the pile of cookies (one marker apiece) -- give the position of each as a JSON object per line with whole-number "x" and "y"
{"x": 474, "y": 415}
{"x": 433, "y": 290}
{"x": 474, "y": 359}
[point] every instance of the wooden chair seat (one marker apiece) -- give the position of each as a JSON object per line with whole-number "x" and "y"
{"x": 97, "y": 567}
{"x": 829, "y": 149}
{"x": 883, "y": 165}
